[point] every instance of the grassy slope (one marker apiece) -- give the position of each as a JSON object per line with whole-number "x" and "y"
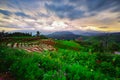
{"x": 67, "y": 63}
{"x": 70, "y": 45}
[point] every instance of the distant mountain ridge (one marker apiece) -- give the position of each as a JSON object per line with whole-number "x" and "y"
{"x": 71, "y": 35}
{"x": 87, "y": 33}
{"x": 67, "y": 35}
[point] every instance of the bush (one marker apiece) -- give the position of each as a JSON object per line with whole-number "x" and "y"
{"x": 54, "y": 75}
{"x": 108, "y": 69}
{"x": 26, "y": 69}
{"x": 8, "y": 56}
{"x": 79, "y": 72}
{"x": 62, "y": 64}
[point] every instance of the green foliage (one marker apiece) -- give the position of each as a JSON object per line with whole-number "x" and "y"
{"x": 26, "y": 69}
{"x": 114, "y": 47}
{"x": 79, "y": 72}
{"x": 108, "y": 69}
{"x": 21, "y": 65}
{"x": 116, "y": 60}
{"x": 54, "y": 75}
{"x": 70, "y": 62}
{"x": 7, "y": 57}
{"x": 70, "y": 45}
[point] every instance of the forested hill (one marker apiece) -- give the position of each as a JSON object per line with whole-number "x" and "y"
{"x": 110, "y": 37}
{"x": 63, "y": 35}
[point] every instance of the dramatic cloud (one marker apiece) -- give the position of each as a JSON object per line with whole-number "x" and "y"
{"x": 82, "y": 8}
{"x": 5, "y": 12}
{"x": 56, "y": 15}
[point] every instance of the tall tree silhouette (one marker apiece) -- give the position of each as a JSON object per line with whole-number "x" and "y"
{"x": 37, "y": 33}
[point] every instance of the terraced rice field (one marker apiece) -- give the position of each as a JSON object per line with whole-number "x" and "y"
{"x": 42, "y": 45}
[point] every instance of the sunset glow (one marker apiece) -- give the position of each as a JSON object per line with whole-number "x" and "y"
{"x": 58, "y": 15}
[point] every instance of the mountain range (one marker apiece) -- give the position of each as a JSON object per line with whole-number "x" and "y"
{"x": 71, "y": 35}
{"x": 63, "y": 35}
{"x": 68, "y": 35}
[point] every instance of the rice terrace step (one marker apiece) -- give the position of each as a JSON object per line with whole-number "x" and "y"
{"x": 43, "y": 45}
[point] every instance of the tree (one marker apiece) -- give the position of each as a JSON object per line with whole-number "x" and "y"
{"x": 37, "y": 33}
{"x": 2, "y": 33}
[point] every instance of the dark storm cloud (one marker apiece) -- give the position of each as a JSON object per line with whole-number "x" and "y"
{"x": 61, "y": 8}
{"x": 5, "y": 12}
{"x": 21, "y": 14}
{"x": 98, "y": 5}
{"x": 8, "y": 13}
{"x": 64, "y": 10}
{"x": 93, "y": 7}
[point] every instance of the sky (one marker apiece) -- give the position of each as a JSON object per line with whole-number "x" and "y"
{"x": 59, "y": 15}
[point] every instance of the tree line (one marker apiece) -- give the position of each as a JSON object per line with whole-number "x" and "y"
{"x": 18, "y": 34}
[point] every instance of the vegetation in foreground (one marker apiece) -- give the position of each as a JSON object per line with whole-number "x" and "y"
{"x": 63, "y": 64}
{"x": 70, "y": 61}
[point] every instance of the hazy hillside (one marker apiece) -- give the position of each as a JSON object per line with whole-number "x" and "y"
{"x": 87, "y": 33}
{"x": 106, "y": 36}
{"x": 63, "y": 35}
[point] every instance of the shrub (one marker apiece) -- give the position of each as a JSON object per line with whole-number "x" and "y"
{"x": 54, "y": 75}
{"x": 26, "y": 69}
